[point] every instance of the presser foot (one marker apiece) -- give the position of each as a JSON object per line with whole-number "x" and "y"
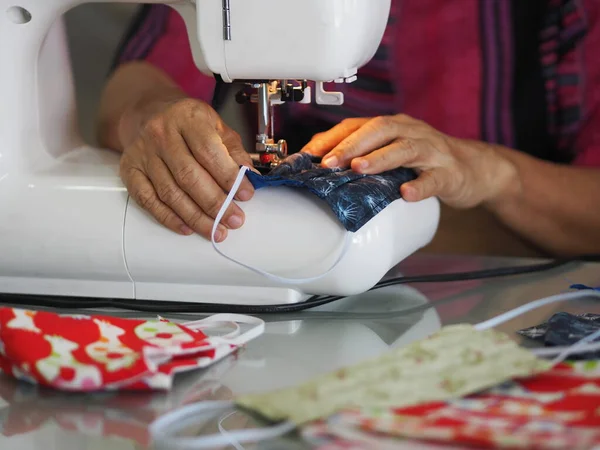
{"x": 268, "y": 153}
{"x": 265, "y": 161}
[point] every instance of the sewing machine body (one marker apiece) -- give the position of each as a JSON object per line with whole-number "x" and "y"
{"x": 68, "y": 227}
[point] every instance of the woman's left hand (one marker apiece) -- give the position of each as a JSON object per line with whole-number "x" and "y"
{"x": 461, "y": 173}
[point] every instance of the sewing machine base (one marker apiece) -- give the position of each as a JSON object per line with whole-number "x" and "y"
{"x": 69, "y": 228}
{"x": 214, "y": 295}
{"x": 24, "y": 288}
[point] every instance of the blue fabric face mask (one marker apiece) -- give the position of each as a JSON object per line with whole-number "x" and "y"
{"x": 354, "y": 198}
{"x": 565, "y": 329}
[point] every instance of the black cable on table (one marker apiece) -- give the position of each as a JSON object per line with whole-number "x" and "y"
{"x": 160, "y": 306}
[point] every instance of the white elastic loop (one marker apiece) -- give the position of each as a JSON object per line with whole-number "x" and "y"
{"x": 209, "y": 322}
{"x": 157, "y": 356}
{"x": 258, "y": 328}
{"x": 204, "y": 327}
{"x": 163, "y": 429}
{"x": 573, "y": 348}
{"x": 224, "y": 432}
{"x": 276, "y": 278}
{"x": 220, "y": 319}
{"x": 509, "y": 315}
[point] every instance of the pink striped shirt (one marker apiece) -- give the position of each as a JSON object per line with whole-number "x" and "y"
{"x": 525, "y": 74}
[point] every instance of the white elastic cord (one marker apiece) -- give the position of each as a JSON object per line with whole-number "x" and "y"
{"x": 159, "y": 355}
{"x": 245, "y": 337}
{"x": 197, "y": 325}
{"x": 163, "y": 429}
{"x": 575, "y": 347}
{"x": 509, "y": 315}
{"x": 224, "y": 432}
{"x": 276, "y": 278}
{"x": 233, "y": 338}
{"x": 210, "y": 322}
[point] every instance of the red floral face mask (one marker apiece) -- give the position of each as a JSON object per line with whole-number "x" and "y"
{"x": 88, "y": 353}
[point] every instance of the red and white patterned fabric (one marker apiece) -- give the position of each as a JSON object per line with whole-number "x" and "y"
{"x": 92, "y": 352}
{"x": 559, "y": 409}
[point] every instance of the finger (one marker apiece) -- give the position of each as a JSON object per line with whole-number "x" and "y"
{"x": 323, "y": 143}
{"x": 198, "y": 212}
{"x": 208, "y": 149}
{"x": 428, "y": 184}
{"x": 174, "y": 197}
{"x": 198, "y": 183}
{"x": 141, "y": 190}
{"x": 373, "y": 135}
{"x": 402, "y": 153}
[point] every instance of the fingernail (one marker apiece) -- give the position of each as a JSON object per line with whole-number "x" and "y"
{"x": 220, "y": 234}
{"x": 186, "y": 230}
{"x": 330, "y": 162}
{"x": 362, "y": 163}
{"x": 235, "y": 222}
{"x": 408, "y": 192}
{"x": 244, "y": 195}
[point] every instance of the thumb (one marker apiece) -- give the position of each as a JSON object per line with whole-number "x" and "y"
{"x": 235, "y": 147}
{"x": 241, "y": 157}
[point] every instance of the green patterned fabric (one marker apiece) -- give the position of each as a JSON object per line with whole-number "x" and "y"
{"x": 457, "y": 361}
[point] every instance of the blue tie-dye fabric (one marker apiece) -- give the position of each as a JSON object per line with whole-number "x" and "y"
{"x": 354, "y": 198}
{"x": 564, "y": 329}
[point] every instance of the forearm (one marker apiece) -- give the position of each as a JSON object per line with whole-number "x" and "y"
{"x": 133, "y": 93}
{"x": 555, "y": 207}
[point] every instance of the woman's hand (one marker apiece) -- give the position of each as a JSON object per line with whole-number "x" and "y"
{"x": 180, "y": 165}
{"x": 462, "y": 173}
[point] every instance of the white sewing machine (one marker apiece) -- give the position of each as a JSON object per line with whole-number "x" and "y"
{"x": 67, "y": 225}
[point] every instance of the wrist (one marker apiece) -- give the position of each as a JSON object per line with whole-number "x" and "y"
{"x": 494, "y": 176}
{"x": 505, "y": 174}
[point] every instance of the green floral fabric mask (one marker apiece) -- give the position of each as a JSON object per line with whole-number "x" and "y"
{"x": 457, "y": 361}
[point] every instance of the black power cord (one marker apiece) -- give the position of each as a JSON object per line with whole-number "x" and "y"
{"x": 160, "y": 306}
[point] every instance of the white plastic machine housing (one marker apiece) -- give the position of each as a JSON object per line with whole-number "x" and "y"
{"x": 317, "y": 40}
{"x": 67, "y": 224}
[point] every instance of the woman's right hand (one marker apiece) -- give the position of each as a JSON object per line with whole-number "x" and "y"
{"x": 182, "y": 163}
